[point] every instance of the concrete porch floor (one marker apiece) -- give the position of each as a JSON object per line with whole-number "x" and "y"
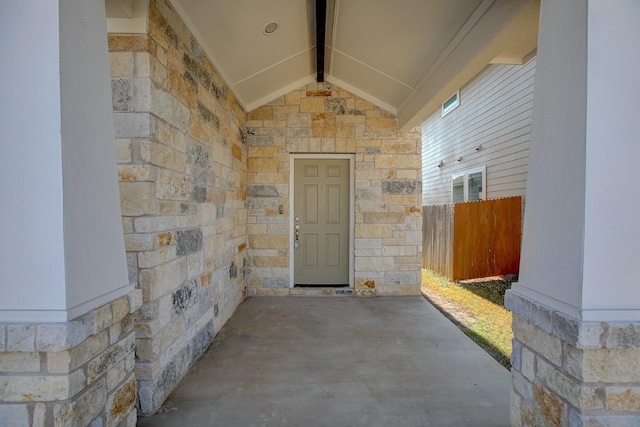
{"x": 340, "y": 361}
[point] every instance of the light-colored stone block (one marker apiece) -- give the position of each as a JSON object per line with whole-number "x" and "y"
{"x": 528, "y": 361}
{"x": 261, "y": 165}
{"x": 399, "y": 147}
{"x": 373, "y": 230}
{"x": 84, "y": 352}
{"x": 123, "y": 150}
{"x": 132, "y": 125}
{"x": 380, "y": 125}
{"x": 387, "y": 161}
{"x": 136, "y": 173}
{"x": 34, "y": 387}
{"x": 14, "y": 415}
{"x": 140, "y": 242}
{"x": 121, "y": 64}
{"x": 268, "y": 242}
{"x": 623, "y": 399}
{"x": 611, "y": 365}
{"x": 173, "y": 186}
{"x": 170, "y": 109}
{"x": 39, "y": 414}
{"x": 21, "y": 337}
{"x": 312, "y": 105}
{"x": 162, "y": 155}
{"x": 120, "y": 308}
{"x": 544, "y": 343}
{"x": 323, "y": 125}
{"x": 82, "y": 410}
{"x": 613, "y": 420}
{"x": 402, "y": 251}
{"x": 160, "y": 224}
{"x": 368, "y": 243}
{"x": 150, "y": 259}
{"x": 383, "y": 217}
{"x": 137, "y": 198}
{"x": 521, "y": 385}
{"x": 262, "y": 113}
{"x": 374, "y": 264}
{"x": 59, "y": 362}
{"x": 18, "y": 361}
{"x": 578, "y": 395}
{"x": 141, "y": 64}
{"x": 158, "y": 281}
{"x": 135, "y": 300}
{"x": 117, "y": 373}
{"x": 77, "y": 382}
{"x": 114, "y": 332}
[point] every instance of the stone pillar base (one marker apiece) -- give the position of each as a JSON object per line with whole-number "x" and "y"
{"x": 71, "y": 374}
{"x": 568, "y": 372}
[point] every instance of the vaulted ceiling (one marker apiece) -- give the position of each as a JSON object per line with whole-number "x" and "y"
{"x": 406, "y": 56}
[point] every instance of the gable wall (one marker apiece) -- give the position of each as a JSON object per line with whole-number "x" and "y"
{"x": 322, "y": 118}
{"x": 495, "y": 111}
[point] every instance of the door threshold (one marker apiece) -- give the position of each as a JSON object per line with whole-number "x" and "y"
{"x": 314, "y": 291}
{"x": 320, "y": 286}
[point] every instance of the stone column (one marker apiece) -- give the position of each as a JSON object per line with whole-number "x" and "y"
{"x": 576, "y": 352}
{"x": 66, "y": 311}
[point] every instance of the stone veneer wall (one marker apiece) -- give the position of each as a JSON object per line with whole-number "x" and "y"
{"x": 182, "y": 169}
{"x": 322, "y": 118}
{"x": 71, "y": 374}
{"x": 567, "y": 372}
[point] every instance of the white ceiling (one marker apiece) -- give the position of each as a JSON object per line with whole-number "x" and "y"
{"x": 406, "y": 56}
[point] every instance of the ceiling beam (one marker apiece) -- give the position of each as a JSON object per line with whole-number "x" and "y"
{"x": 321, "y": 24}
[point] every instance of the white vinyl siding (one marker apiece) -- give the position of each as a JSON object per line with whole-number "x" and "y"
{"x": 495, "y": 113}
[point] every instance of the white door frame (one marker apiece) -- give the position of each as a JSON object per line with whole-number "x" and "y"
{"x": 352, "y": 198}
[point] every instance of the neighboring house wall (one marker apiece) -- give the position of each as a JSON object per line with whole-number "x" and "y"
{"x": 182, "y": 169}
{"x": 323, "y": 118}
{"x": 495, "y": 113}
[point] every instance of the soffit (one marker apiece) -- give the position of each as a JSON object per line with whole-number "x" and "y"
{"x": 402, "y": 55}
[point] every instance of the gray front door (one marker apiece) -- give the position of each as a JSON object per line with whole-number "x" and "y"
{"x": 321, "y": 222}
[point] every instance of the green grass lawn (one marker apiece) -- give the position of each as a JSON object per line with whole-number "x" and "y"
{"x": 477, "y": 308}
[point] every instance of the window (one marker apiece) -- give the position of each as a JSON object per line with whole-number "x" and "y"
{"x": 451, "y": 104}
{"x": 469, "y": 186}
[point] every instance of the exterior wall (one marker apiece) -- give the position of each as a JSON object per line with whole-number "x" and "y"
{"x": 567, "y": 372}
{"x": 323, "y": 119}
{"x": 71, "y": 374}
{"x": 495, "y": 111}
{"x": 182, "y": 169}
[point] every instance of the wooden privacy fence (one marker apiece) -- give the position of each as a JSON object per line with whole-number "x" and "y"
{"x": 437, "y": 238}
{"x": 474, "y": 239}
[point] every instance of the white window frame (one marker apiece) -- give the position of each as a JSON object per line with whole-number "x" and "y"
{"x": 454, "y": 103}
{"x": 465, "y": 180}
